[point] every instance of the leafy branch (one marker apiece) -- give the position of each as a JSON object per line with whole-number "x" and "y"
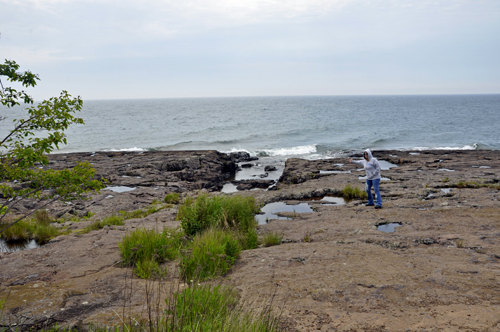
{"x": 24, "y": 151}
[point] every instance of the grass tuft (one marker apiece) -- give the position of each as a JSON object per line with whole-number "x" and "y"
{"x": 272, "y": 239}
{"x": 172, "y": 198}
{"x": 211, "y": 254}
{"x": 118, "y": 220}
{"x": 349, "y": 193}
{"x": 37, "y": 228}
{"x": 236, "y": 213}
{"x": 147, "y": 249}
{"x": 108, "y": 221}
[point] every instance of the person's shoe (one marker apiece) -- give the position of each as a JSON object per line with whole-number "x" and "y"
{"x": 378, "y": 207}
{"x": 369, "y": 204}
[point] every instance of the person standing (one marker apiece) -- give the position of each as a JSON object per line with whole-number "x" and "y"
{"x": 372, "y": 168}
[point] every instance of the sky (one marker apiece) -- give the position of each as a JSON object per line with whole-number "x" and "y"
{"x": 117, "y": 49}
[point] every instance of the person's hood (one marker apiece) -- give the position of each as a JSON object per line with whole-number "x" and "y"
{"x": 369, "y": 154}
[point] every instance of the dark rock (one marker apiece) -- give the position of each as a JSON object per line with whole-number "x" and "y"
{"x": 246, "y": 165}
{"x": 241, "y": 156}
{"x": 270, "y": 168}
{"x": 251, "y": 184}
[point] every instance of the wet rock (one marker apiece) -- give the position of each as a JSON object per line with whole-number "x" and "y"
{"x": 241, "y": 156}
{"x": 251, "y": 184}
{"x": 248, "y": 165}
{"x": 269, "y": 168}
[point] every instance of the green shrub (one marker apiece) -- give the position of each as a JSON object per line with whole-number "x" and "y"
{"x": 17, "y": 232}
{"x": 146, "y": 249}
{"x": 37, "y": 228}
{"x": 214, "y": 308}
{"x": 118, "y": 220}
{"x": 349, "y": 193}
{"x": 42, "y": 217}
{"x": 142, "y": 213}
{"x": 225, "y": 212}
{"x": 201, "y": 308}
{"x": 172, "y": 198}
{"x": 108, "y": 221}
{"x": 272, "y": 239}
{"x": 211, "y": 254}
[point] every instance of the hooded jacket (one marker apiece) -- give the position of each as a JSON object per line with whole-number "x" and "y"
{"x": 372, "y": 166}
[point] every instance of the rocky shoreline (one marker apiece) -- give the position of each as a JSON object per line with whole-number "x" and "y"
{"x": 335, "y": 271}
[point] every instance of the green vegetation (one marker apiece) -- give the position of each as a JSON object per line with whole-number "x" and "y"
{"x": 473, "y": 185}
{"x": 210, "y": 254}
{"x": 108, "y": 221}
{"x": 199, "y": 308}
{"x": 215, "y": 308}
{"x": 172, "y": 198}
{"x": 118, "y": 220}
{"x": 220, "y": 226}
{"x": 236, "y": 213}
{"x": 272, "y": 239}
{"x": 349, "y": 193}
{"x": 25, "y": 149}
{"x": 147, "y": 249}
{"x": 37, "y": 228}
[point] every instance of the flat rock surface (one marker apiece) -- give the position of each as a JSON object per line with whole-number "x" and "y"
{"x": 334, "y": 271}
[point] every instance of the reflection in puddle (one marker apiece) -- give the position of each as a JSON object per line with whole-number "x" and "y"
{"x": 481, "y": 166}
{"x": 229, "y": 188}
{"x": 385, "y": 165}
{"x": 330, "y": 200}
{"x": 446, "y": 170}
{"x": 17, "y": 246}
{"x": 272, "y": 209}
{"x": 119, "y": 189}
{"x": 445, "y": 190}
{"x": 334, "y": 172}
{"x": 258, "y": 172}
{"x": 389, "y": 227}
{"x": 414, "y": 153}
{"x": 382, "y": 179}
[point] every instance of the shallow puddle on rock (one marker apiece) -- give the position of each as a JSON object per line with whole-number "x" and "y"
{"x": 17, "y": 246}
{"x": 385, "y": 165}
{"x": 272, "y": 209}
{"x": 389, "y": 227}
{"x": 119, "y": 189}
{"x": 328, "y": 200}
{"x": 446, "y": 191}
{"x": 382, "y": 179}
{"x": 446, "y": 170}
{"x": 258, "y": 170}
{"x": 334, "y": 172}
{"x": 229, "y": 188}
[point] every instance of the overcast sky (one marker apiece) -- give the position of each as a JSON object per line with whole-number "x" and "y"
{"x": 113, "y": 49}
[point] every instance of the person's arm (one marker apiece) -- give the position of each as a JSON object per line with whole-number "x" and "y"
{"x": 377, "y": 167}
{"x": 358, "y": 162}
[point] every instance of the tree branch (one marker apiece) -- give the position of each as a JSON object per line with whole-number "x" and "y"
{"x": 17, "y": 201}
{"x": 29, "y": 214}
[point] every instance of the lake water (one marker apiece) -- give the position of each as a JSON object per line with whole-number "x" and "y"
{"x": 281, "y": 127}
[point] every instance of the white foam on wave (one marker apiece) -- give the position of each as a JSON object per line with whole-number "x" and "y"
{"x": 134, "y": 149}
{"x": 291, "y": 151}
{"x": 236, "y": 150}
{"x": 466, "y": 147}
